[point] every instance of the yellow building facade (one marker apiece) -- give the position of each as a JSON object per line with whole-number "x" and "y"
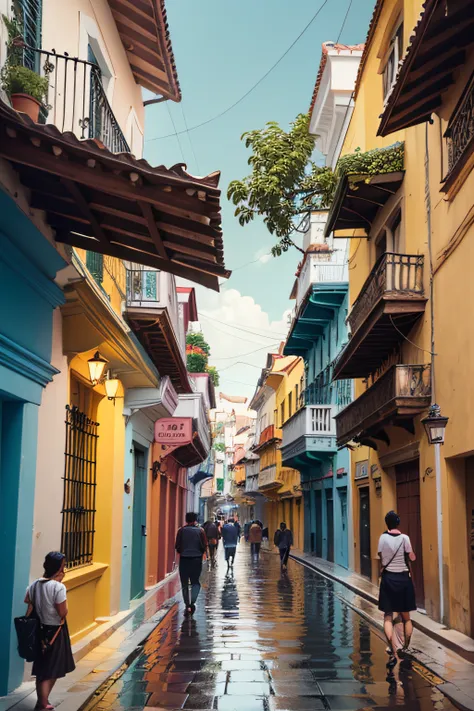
{"x": 410, "y": 227}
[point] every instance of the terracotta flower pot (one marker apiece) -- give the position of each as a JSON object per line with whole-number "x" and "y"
{"x": 27, "y": 105}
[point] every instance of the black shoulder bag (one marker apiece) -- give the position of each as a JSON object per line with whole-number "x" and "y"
{"x": 28, "y": 632}
{"x": 384, "y": 568}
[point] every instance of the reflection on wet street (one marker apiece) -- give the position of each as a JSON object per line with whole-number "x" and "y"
{"x": 263, "y": 640}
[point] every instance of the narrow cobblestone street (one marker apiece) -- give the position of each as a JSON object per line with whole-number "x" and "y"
{"x": 262, "y": 640}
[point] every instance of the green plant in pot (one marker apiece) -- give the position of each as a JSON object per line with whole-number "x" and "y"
{"x": 26, "y": 89}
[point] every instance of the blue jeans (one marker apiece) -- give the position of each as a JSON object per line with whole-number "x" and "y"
{"x": 189, "y": 572}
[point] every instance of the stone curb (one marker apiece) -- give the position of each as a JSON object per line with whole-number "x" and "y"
{"x": 450, "y": 690}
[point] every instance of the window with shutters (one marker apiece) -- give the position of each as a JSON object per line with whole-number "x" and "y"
{"x": 95, "y": 264}
{"x": 30, "y": 12}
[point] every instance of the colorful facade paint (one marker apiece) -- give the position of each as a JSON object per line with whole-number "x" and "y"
{"x": 317, "y": 334}
{"x": 29, "y": 296}
{"x": 427, "y": 219}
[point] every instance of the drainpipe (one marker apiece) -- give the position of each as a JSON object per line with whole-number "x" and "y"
{"x": 439, "y": 498}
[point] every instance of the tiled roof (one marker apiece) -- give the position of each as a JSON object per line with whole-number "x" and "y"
{"x": 326, "y": 48}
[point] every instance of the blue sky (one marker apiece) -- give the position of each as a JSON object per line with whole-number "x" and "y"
{"x": 221, "y": 49}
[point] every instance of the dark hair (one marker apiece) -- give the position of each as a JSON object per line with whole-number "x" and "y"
{"x": 230, "y": 520}
{"x": 282, "y": 525}
{"x": 191, "y": 517}
{"x": 52, "y": 563}
{"x": 392, "y": 519}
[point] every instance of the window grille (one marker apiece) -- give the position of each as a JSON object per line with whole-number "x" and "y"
{"x": 77, "y": 541}
{"x": 30, "y": 12}
{"x": 95, "y": 264}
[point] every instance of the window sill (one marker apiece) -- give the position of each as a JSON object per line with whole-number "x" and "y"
{"x": 81, "y": 576}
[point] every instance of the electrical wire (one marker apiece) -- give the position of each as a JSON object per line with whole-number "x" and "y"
{"x": 245, "y": 330}
{"x": 344, "y": 22}
{"x": 189, "y": 139}
{"x": 257, "y": 83}
{"x": 411, "y": 342}
{"x": 176, "y": 132}
{"x": 242, "y": 355}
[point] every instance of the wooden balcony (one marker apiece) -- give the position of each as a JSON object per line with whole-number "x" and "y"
{"x": 401, "y": 394}
{"x": 389, "y": 304}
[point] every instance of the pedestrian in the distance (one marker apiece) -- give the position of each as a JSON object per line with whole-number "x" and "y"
{"x": 230, "y": 537}
{"x": 191, "y": 544}
{"x": 46, "y": 597}
{"x": 212, "y": 535}
{"x": 283, "y": 539}
{"x": 246, "y": 531}
{"x": 239, "y": 529}
{"x": 255, "y": 538}
{"x": 397, "y": 593}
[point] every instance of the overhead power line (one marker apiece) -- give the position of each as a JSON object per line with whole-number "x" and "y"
{"x": 245, "y": 330}
{"x": 252, "y": 88}
{"x": 344, "y": 21}
{"x": 242, "y": 355}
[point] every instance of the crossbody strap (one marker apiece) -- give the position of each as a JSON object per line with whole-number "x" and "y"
{"x": 384, "y": 568}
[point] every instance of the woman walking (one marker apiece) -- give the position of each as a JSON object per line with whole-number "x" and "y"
{"x": 47, "y": 597}
{"x": 397, "y": 594}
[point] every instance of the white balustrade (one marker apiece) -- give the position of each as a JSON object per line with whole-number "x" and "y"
{"x": 316, "y": 271}
{"x": 309, "y": 421}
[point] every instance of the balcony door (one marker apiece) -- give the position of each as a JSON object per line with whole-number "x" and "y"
{"x": 408, "y": 506}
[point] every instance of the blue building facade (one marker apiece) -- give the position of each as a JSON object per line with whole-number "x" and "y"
{"x": 317, "y": 334}
{"x": 28, "y": 294}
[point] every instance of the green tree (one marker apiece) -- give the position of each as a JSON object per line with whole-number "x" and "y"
{"x": 197, "y": 339}
{"x": 285, "y": 183}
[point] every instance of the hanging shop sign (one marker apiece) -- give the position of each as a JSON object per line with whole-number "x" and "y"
{"x": 172, "y": 433}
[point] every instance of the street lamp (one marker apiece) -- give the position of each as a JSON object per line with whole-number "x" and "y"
{"x": 435, "y": 425}
{"x": 97, "y": 366}
{"x": 111, "y": 387}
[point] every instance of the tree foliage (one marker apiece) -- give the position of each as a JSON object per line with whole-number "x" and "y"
{"x": 213, "y": 374}
{"x": 197, "y": 339}
{"x": 285, "y": 183}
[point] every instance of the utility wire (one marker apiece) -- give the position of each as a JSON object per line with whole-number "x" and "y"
{"x": 245, "y": 330}
{"x": 189, "y": 139}
{"x": 344, "y": 22}
{"x": 242, "y": 355}
{"x": 257, "y": 83}
{"x": 176, "y": 132}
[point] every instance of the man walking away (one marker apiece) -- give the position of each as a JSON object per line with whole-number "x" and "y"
{"x": 212, "y": 535}
{"x": 283, "y": 540}
{"x": 239, "y": 529}
{"x": 230, "y": 537}
{"x": 255, "y": 538}
{"x": 191, "y": 544}
{"x": 246, "y": 531}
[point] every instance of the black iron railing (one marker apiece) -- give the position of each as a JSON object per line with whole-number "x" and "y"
{"x": 76, "y": 99}
{"x": 324, "y": 391}
{"x": 460, "y": 131}
{"x": 78, "y": 525}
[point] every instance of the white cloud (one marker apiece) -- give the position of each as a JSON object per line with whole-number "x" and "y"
{"x": 263, "y": 255}
{"x": 240, "y": 335}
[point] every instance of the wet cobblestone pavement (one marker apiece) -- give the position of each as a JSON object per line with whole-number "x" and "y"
{"x": 264, "y": 641}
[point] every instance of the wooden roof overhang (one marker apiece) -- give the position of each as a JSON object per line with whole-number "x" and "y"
{"x": 117, "y": 205}
{"x": 389, "y": 322}
{"x": 389, "y": 401}
{"x": 143, "y": 29}
{"x": 437, "y": 48}
{"x": 358, "y": 200}
{"x": 156, "y": 335}
{"x": 191, "y": 454}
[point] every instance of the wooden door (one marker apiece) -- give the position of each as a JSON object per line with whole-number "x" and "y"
{"x": 408, "y": 508}
{"x": 364, "y": 532}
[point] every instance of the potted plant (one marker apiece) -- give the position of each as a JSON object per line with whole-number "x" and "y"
{"x": 26, "y": 89}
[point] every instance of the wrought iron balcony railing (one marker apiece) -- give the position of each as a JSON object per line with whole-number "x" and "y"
{"x": 401, "y": 393}
{"x": 394, "y": 275}
{"x": 460, "y": 132}
{"x": 76, "y": 99}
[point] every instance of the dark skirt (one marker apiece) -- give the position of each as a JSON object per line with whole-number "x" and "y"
{"x": 397, "y": 593}
{"x": 58, "y": 660}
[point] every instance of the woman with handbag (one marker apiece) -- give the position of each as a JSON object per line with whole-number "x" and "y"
{"x": 397, "y": 594}
{"x": 46, "y": 598}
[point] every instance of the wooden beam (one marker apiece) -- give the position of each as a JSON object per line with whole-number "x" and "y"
{"x": 453, "y": 57}
{"x": 132, "y": 255}
{"x": 147, "y": 213}
{"x": 80, "y": 200}
{"x": 433, "y": 92}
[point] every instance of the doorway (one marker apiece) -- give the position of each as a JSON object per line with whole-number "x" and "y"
{"x": 408, "y": 507}
{"x": 343, "y": 542}
{"x": 364, "y": 532}
{"x": 139, "y": 525}
{"x": 330, "y": 525}
{"x": 319, "y": 523}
